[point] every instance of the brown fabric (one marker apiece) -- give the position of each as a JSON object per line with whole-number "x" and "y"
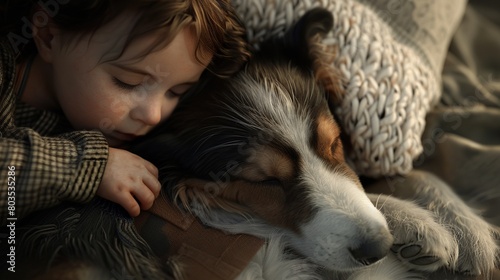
{"x": 203, "y": 252}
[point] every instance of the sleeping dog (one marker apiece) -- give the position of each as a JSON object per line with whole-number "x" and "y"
{"x": 261, "y": 154}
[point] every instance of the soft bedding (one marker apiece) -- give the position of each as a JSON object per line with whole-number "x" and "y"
{"x": 461, "y": 141}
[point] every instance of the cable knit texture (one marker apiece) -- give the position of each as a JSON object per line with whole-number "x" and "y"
{"x": 391, "y": 54}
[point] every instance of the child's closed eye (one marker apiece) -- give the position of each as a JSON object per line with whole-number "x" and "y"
{"x": 175, "y": 94}
{"x": 123, "y": 85}
{"x": 180, "y": 90}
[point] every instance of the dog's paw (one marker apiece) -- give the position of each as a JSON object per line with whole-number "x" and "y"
{"x": 478, "y": 249}
{"x": 427, "y": 246}
{"x": 413, "y": 254}
{"x": 419, "y": 241}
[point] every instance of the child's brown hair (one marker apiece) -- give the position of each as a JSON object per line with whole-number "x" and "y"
{"x": 217, "y": 26}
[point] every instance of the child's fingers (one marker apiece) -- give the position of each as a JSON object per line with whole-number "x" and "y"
{"x": 127, "y": 201}
{"x": 151, "y": 168}
{"x": 153, "y": 184}
{"x": 145, "y": 197}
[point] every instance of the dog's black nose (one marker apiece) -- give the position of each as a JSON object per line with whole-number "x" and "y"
{"x": 370, "y": 252}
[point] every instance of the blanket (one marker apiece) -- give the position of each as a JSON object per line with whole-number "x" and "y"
{"x": 461, "y": 140}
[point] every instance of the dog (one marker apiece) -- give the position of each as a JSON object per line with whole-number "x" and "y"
{"x": 262, "y": 154}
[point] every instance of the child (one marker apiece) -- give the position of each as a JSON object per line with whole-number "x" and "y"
{"x": 80, "y": 79}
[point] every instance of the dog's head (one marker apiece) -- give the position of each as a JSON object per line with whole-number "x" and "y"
{"x": 261, "y": 153}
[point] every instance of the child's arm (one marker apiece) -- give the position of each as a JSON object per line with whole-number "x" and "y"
{"x": 41, "y": 172}
{"x": 48, "y": 171}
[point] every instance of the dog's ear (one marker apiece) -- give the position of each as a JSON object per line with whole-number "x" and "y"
{"x": 300, "y": 40}
{"x": 295, "y": 44}
{"x": 303, "y": 45}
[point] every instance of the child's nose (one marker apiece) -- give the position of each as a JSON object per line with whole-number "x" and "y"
{"x": 148, "y": 113}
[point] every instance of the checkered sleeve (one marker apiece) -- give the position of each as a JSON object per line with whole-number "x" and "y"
{"x": 48, "y": 171}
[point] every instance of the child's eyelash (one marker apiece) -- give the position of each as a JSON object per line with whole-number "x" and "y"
{"x": 123, "y": 85}
{"x": 175, "y": 94}
{"x": 130, "y": 87}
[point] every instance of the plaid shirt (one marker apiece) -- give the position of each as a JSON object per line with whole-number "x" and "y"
{"x": 52, "y": 163}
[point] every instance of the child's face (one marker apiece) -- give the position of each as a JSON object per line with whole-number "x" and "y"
{"x": 127, "y": 97}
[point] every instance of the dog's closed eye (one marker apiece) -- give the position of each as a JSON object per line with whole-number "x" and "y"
{"x": 270, "y": 181}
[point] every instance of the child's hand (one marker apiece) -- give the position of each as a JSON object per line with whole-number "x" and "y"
{"x": 129, "y": 179}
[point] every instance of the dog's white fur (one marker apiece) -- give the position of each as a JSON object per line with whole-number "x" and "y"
{"x": 271, "y": 263}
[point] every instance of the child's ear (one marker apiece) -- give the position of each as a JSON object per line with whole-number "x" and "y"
{"x": 44, "y": 35}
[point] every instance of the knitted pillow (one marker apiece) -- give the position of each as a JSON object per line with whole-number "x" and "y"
{"x": 391, "y": 53}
